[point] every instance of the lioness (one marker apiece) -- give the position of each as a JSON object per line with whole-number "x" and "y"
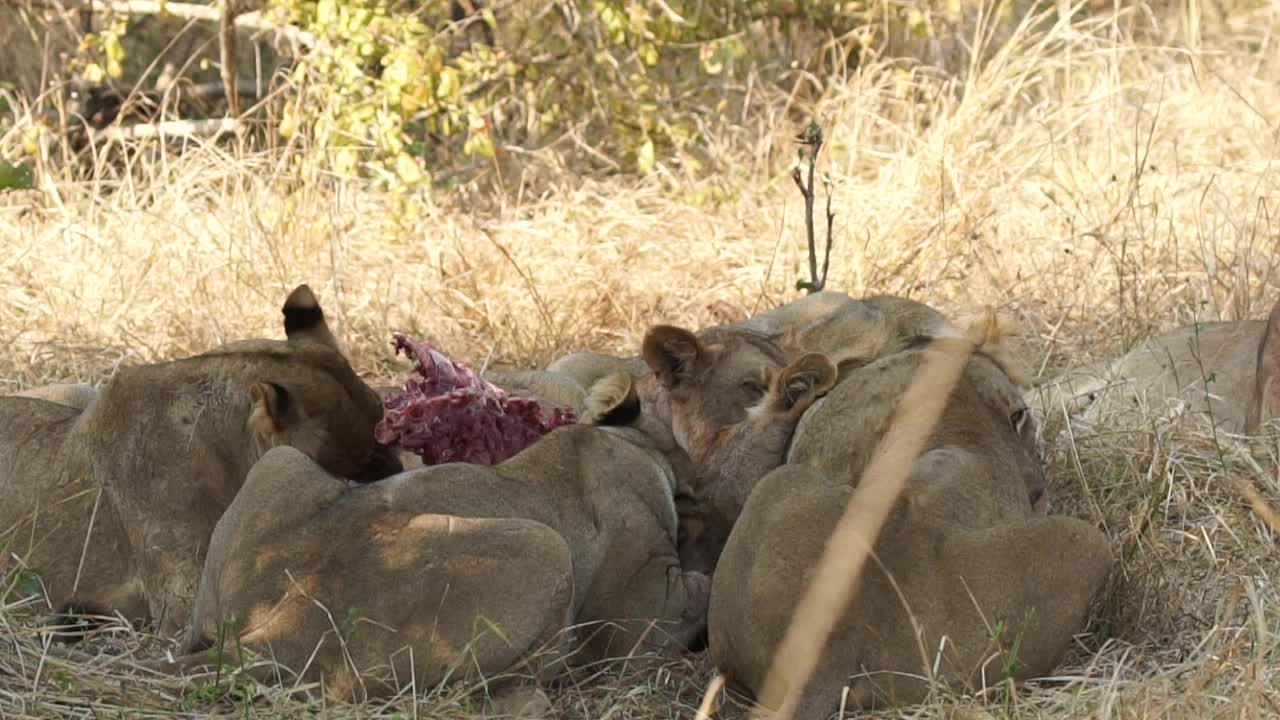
{"x": 727, "y": 362}
{"x": 702, "y": 383}
{"x": 706, "y": 382}
{"x": 112, "y": 503}
{"x": 730, "y": 357}
{"x": 457, "y": 567}
{"x": 968, "y": 583}
{"x": 736, "y": 435}
{"x": 1223, "y": 371}
{"x": 730, "y": 364}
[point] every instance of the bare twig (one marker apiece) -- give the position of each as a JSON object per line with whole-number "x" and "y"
{"x": 227, "y": 55}
{"x": 812, "y": 139}
{"x": 1260, "y": 506}
{"x": 826, "y": 255}
{"x": 250, "y": 21}
{"x": 208, "y": 127}
{"x": 709, "y": 699}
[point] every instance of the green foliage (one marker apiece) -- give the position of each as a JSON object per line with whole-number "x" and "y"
{"x": 378, "y": 86}
{"x": 397, "y": 92}
{"x": 101, "y": 54}
{"x": 392, "y": 84}
{"x": 240, "y": 691}
{"x": 16, "y": 177}
{"x": 19, "y": 583}
{"x": 1012, "y": 662}
{"x": 229, "y": 683}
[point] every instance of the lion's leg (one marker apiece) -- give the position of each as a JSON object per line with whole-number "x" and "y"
{"x": 170, "y": 580}
{"x": 989, "y": 603}
{"x": 1025, "y": 588}
{"x": 58, "y": 530}
{"x": 170, "y": 537}
{"x": 632, "y": 609}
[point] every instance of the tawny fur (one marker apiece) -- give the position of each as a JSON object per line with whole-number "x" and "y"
{"x": 112, "y": 502}
{"x": 1220, "y": 372}
{"x": 72, "y": 395}
{"x": 457, "y": 567}
{"x": 738, "y": 425}
{"x": 963, "y": 552}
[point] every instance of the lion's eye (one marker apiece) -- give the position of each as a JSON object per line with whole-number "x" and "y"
{"x": 753, "y": 389}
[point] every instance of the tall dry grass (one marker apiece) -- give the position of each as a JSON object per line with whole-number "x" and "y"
{"x": 1101, "y": 178}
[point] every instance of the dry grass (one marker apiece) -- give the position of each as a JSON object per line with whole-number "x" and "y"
{"x": 1098, "y": 186}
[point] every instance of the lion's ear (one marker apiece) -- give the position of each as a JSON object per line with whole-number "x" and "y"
{"x": 612, "y": 400}
{"x": 804, "y": 381}
{"x": 673, "y": 354}
{"x": 272, "y": 405}
{"x": 304, "y": 318}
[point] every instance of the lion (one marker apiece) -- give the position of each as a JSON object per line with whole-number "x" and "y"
{"x": 111, "y": 497}
{"x": 702, "y": 385}
{"x": 829, "y": 322}
{"x": 968, "y": 583}
{"x": 736, "y": 414}
{"x": 727, "y": 361}
{"x": 732, "y": 357}
{"x": 730, "y": 366}
{"x": 1221, "y": 371}
{"x": 457, "y": 571}
{"x": 726, "y": 369}
{"x": 715, "y": 374}
{"x": 724, "y": 373}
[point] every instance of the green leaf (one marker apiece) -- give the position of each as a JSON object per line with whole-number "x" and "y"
{"x": 112, "y": 46}
{"x": 645, "y": 160}
{"x": 94, "y": 73}
{"x": 735, "y": 47}
{"x": 16, "y": 177}
{"x": 711, "y": 57}
{"x": 326, "y": 12}
{"x": 649, "y": 54}
{"x": 450, "y": 85}
{"x": 479, "y": 144}
{"x": 29, "y": 584}
{"x": 918, "y": 22}
{"x": 408, "y": 169}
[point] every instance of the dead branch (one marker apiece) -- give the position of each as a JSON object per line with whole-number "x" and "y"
{"x": 227, "y": 55}
{"x": 812, "y": 139}
{"x": 98, "y": 106}
{"x": 250, "y": 21}
{"x": 204, "y": 91}
{"x": 210, "y": 127}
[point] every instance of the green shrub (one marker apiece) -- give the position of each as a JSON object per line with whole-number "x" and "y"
{"x": 397, "y": 92}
